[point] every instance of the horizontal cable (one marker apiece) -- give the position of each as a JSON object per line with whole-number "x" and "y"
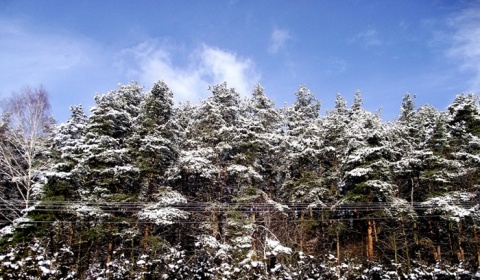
{"x": 223, "y": 221}
{"x": 358, "y": 205}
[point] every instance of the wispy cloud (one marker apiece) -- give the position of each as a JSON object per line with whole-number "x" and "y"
{"x": 278, "y": 40}
{"x": 152, "y": 60}
{"x": 337, "y": 66}
{"x": 368, "y": 38}
{"x": 36, "y": 56}
{"x": 465, "y": 43}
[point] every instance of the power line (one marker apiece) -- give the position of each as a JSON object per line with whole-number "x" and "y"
{"x": 290, "y": 212}
{"x": 355, "y": 205}
{"x": 199, "y": 207}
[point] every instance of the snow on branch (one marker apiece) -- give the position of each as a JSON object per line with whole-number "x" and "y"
{"x": 453, "y": 206}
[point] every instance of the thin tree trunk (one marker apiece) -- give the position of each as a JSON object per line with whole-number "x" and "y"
{"x": 254, "y": 234}
{"x": 302, "y": 242}
{"x": 415, "y": 239}
{"x": 461, "y": 252}
{"x": 439, "y": 253}
{"x": 405, "y": 243}
{"x": 79, "y": 251}
{"x": 215, "y": 228}
{"x": 145, "y": 237}
{"x": 451, "y": 239}
{"x": 338, "y": 247}
{"x": 394, "y": 245}
{"x": 477, "y": 242}
{"x": 70, "y": 235}
{"x": 110, "y": 250}
{"x": 370, "y": 241}
{"x": 150, "y": 186}
{"x": 411, "y": 193}
{"x": 133, "y": 255}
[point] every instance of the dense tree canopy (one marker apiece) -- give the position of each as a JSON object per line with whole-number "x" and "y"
{"x": 237, "y": 188}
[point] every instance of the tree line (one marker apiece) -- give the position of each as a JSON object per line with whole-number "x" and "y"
{"x": 237, "y": 188}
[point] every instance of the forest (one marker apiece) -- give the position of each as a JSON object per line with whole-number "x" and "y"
{"x": 238, "y": 188}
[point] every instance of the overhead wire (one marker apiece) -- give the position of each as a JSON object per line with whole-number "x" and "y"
{"x": 338, "y": 212}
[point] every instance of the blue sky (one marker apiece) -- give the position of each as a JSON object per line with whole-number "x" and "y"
{"x": 383, "y": 48}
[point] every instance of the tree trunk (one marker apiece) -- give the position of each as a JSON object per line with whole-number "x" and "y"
{"x": 70, "y": 235}
{"x": 338, "y": 247}
{"x": 405, "y": 243}
{"x": 145, "y": 237}
{"x": 461, "y": 252}
{"x": 417, "y": 242}
{"x": 301, "y": 228}
{"x": 393, "y": 237}
{"x": 254, "y": 235}
{"x": 132, "y": 260}
{"x": 110, "y": 250}
{"x": 411, "y": 193}
{"x": 477, "y": 242}
{"x": 370, "y": 240}
{"x": 438, "y": 254}
{"x": 451, "y": 239}
{"x": 150, "y": 183}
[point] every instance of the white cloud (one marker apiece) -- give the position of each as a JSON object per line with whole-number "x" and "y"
{"x": 151, "y": 61}
{"x": 70, "y": 67}
{"x": 368, "y": 38}
{"x": 35, "y": 56}
{"x": 465, "y": 43}
{"x": 225, "y": 66}
{"x": 278, "y": 39}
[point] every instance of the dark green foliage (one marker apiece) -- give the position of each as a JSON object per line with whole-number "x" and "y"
{"x": 238, "y": 189}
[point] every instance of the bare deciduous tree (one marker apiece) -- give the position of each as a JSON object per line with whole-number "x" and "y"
{"x": 24, "y": 131}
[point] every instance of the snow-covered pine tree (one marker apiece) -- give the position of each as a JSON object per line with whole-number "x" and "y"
{"x": 303, "y": 134}
{"x": 154, "y": 147}
{"x": 464, "y": 127}
{"x": 427, "y": 171}
{"x": 366, "y": 186}
{"x": 109, "y": 168}
{"x": 303, "y": 185}
{"x": 255, "y": 216}
{"x": 258, "y": 140}
{"x": 155, "y": 141}
{"x": 456, "y": 202}
{"x": 201, "y": 172}
{"x": 64, "y": 181}
{"x": 208, "y": 147}
{"x": 422, "y": 144}
{"x": 334, "y": 128}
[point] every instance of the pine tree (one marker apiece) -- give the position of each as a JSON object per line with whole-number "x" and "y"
{"x": 460, "y": 176}
{"x": 155, "y": 149}
{"x": 303, "y": 133}
{"x": 365, "y": 173}
{"x": 65, "y": 180}
{"x": 464, "y": 127}
{"x": 334, "y": 129}
{"x": 258, "y": 140}
{"x": 303, "y": 184}
{"x": 155, "y": 139}
{"x": 107, "y": 162}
